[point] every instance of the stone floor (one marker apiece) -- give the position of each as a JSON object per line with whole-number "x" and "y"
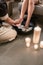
{"x": 16, "y": 53}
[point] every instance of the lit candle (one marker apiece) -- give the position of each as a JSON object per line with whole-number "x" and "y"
{"x": 36, "y": 35}
{"x": 27, "y": 44}
{"x": 36, "y": 46}
{"x": 28, "y": 41}
{"x": 41, "y": 44}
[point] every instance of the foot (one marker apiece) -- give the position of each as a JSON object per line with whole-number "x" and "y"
{"x": 18, "y": 21}
{"x": 27, "y": 24}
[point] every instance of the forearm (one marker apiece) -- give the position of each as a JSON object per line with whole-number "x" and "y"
{"x": 7, "y": 19}
{"x": 24, "y": 7}
{"x": 10, "y": 21}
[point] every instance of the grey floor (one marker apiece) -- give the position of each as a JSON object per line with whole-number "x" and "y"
{"x": 16, "y": 53}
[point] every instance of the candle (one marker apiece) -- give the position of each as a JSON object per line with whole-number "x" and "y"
{"x": 36, "y": 46}
{"x": 28, "y": 41}
{"x": 41, "y": 44}
{"x": 27, "y": 44}
{"x": 36, "y": 35}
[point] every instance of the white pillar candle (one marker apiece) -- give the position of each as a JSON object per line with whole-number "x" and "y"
{"x": 27, "y": 44}
{"x": 36, "y": 46}
{"x": 36, "y": 35}
{"x": 28, "y": 41}
{"x": 41, "y": 44}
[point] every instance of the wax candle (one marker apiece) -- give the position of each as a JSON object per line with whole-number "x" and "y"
{"x": 27, "y": 44}
{"x": 28, "y": 41}
{"x": 35, "y": 46}
{"x": 36, "y": 35}
{"x": 41, "y": 44}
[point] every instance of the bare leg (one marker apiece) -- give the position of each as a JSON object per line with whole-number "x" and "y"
{"x": 23, "y": 10}
{"x": 31, "y": 6}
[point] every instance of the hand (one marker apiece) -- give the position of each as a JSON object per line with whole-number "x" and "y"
{"x": 18, "y": 21}
{"x": 10, "y": 21}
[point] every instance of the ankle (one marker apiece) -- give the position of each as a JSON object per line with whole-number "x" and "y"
{"x": 21, "y": 19}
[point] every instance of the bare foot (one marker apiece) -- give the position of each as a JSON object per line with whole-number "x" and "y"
{"x": 27, "y": 24}
{"x": 18, "y": 25}
{"x": 25, "y": 27}
{"x": 18, "y": 21}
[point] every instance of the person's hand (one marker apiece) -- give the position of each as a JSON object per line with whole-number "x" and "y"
{"x": 10, "y": 21}
{"x": 18, "y": 21}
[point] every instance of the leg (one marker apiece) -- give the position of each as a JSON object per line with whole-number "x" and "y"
{"x": 23, "y": 10}
{"x": 7, "y": 34}
{"x": 31, "y": 7}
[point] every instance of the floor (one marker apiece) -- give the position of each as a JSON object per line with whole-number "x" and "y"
{"x": 16, "y": 53}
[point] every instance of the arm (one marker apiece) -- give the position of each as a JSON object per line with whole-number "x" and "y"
{"x": 4, "y": 13}
{"x": 8, "y": 19}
